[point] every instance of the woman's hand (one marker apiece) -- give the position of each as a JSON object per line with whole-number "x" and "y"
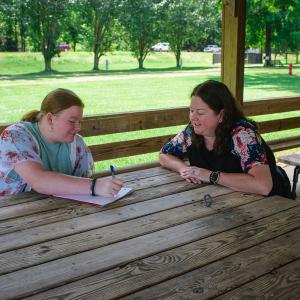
{"x": 108, "y": 186}
{"x": 195, "y": 175}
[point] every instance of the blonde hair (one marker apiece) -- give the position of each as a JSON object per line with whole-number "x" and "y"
{"x": 54, "y": 102}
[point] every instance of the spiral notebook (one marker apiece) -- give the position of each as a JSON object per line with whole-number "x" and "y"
{"x": 97, "y": 200}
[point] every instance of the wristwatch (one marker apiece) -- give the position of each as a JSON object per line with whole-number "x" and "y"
{"x": 214, "y": 177}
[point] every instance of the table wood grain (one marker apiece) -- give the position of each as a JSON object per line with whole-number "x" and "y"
{"x": 161, "y": 242}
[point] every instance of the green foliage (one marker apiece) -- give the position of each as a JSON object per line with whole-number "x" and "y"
{"x": 273, "y": 25}
{"x": 46, "y": 20}
{"x": 193, "y": 21}
{"x": 13, "y": 23}
{"x": 99, "y": 17}
{"x": 142, "y": 21}
{"x": 73, "y": 32}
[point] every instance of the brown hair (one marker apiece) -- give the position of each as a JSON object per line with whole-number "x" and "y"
{"x": 54, "y": 102}
{"x": 218, "y": 97}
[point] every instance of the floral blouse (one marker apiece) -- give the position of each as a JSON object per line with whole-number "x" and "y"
{"x": 246, "y": 144}
{"x": 17, "y": 144}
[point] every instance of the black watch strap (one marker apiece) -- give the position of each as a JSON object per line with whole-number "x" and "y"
{"x": 93, "y": 183}
{"x": 214, "y": 177}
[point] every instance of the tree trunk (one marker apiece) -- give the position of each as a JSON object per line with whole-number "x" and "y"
{"x": 23, "y": 44}
{"x": 297, "y": 58}
{"x": 96, "y": 61}
{"x": 178, "y": 55}
{"x": 97, "y": 33}
{"x": 47, "y": 61}
{"x": 268, "y": 45}
{"x": 141, "y": 63}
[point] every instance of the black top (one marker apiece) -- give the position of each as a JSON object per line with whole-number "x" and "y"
{"x": 200, "y": 157}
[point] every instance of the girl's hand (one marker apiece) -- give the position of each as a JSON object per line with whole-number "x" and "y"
{"x": 108, "y": 187}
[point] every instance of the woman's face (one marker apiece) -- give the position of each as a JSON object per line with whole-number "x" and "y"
{"x": 203, "y": 118}
{"x": 66, "y": 124}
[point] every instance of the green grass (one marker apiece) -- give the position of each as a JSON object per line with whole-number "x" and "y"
{"x": 108, "y": 92}
{"x": 70, "y": 62}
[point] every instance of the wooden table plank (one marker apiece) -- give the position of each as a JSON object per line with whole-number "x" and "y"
{"x": 29, "y": 208}
{"x": 152, "y": 172}
{"x": 291, "y": 159}
{"x": 104, "y": 218}
{"x": 74, "y": 267}
{"x": 126, "y": 177}
{"x": 88, "y": 240}
{"x": 20, "y": 198}
{"x": 33, "y": 207}
{"x": 280, "y": 284}
{"x": 155, "y": 269}
{"x": 216, "y": 278}
{"x": 73, "y": 210}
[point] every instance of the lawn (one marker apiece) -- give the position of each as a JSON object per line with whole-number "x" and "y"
{"x": 160, "y": 85}
{"x": 70, "y": 62}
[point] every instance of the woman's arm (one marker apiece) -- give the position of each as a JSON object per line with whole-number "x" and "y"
{"x": 172, "y": 162}
{"x": 258, "y": 180}
{"x": 176, "y": 164}
{"x": 50, "y": 183}
{"x": 172, "y": 153}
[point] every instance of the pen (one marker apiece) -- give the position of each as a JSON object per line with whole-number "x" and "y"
{"x": 112, "y": 170}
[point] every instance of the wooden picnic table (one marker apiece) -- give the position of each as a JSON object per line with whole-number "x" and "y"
{"x": 161, "y": 242}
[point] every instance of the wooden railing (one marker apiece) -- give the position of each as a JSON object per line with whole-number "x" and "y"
{"x": 98, "y": 125}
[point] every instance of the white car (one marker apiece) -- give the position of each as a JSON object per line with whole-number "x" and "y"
{"x": 161, "y": 47}
{"x": 212, "y": 48}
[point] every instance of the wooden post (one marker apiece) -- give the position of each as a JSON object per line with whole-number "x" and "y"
{"x": 233, "y": 44}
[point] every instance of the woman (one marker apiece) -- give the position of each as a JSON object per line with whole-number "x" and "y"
{"x": 223, "y": 147}
{"x": 44, "y": 152}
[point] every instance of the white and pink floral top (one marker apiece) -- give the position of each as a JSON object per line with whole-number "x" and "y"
{"x": 18, "y": 144}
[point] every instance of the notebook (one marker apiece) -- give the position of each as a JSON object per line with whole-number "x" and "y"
{"x": 97, "y": 200}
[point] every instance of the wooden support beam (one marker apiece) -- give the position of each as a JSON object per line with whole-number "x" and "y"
{"x": 233, "y": 41}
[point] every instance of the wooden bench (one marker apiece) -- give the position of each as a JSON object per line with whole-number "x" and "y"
{"x": 99, "y": 125}
{"x": 293, "y": 160}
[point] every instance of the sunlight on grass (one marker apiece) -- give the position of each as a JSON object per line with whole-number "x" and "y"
{"x": 124, "y": 88}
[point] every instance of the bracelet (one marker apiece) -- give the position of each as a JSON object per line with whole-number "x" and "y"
{"x": 93, "y": 186}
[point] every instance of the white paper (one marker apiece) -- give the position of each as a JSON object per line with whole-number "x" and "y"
{"x": 97, "y": 200}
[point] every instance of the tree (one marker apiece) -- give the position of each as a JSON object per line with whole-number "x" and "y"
{"x": 268, "y": 24}
{"x": 99, "y": 17}
{"x": 74, "y": 30}
{"x": 178, "y": 25}
{"x": 8, "y": 9}
{"x": 142, "y": 22}
{"x": 191, "y": 20}
{"x": 46, "y": 21}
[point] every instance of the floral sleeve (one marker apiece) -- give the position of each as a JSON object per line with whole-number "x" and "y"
{"x": 179, "y": 145}
{"x": 84, "y": 163}
{"x": 16, "y": 145}
{"x": 247, "y": 145}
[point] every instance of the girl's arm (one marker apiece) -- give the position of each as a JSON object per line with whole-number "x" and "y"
{"x": 47, "y": 182}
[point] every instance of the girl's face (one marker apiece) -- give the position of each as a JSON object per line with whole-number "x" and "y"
{"x": 203, "y": 118}
{"x": 66, "y": 124}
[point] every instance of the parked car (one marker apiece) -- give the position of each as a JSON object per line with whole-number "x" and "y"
{"x": 64, "y": 46}
{"x": 161, "y": 47}
{"x": 252, "y": 50}
{"x": 212, "y": 48}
